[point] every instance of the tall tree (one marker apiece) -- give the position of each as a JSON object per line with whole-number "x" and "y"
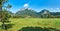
{"x": 3, "y": 13}
{"x": 1, "y": 5}
{"x": 0, "y": 9}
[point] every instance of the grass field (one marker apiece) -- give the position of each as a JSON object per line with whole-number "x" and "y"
{"x": 34, "y": 22}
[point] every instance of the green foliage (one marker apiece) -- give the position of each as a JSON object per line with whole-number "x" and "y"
{"x": 4, "y": 13}
{"x": 7, "y": 26}
{"x": 9, "y": 6}
{"x": 5, "y": 19}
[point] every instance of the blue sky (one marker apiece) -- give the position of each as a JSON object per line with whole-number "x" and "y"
{"x": 37, "y": 5}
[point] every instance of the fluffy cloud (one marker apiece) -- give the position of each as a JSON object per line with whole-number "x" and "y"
{"x": 26, "y": 5}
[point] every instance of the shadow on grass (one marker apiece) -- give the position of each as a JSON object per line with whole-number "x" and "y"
{"x": 38, "y": 29}
{"x": 6, "y": 26}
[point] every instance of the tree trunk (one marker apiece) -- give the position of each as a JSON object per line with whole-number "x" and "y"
{"x": 0, "y": 12}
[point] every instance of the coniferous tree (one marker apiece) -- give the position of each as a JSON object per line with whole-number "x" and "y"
{"x": 4, "y": 13}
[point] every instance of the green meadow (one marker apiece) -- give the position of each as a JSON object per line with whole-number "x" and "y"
{"x": 33, "y": 22}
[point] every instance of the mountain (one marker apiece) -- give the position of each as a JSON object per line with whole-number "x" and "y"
{"x": 27, "y": 12}
{"x": 44, "y": 13}
{"x": 55, "y": 13}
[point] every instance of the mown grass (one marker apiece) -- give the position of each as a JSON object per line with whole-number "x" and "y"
{"x": 33, "y": 22}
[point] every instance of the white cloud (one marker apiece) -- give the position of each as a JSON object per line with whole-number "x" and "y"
{"x": 26, "y": 5}
{"x": 57, "y": 8}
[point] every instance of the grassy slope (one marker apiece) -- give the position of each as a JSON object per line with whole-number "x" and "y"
{"x": 19, "y": 23}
